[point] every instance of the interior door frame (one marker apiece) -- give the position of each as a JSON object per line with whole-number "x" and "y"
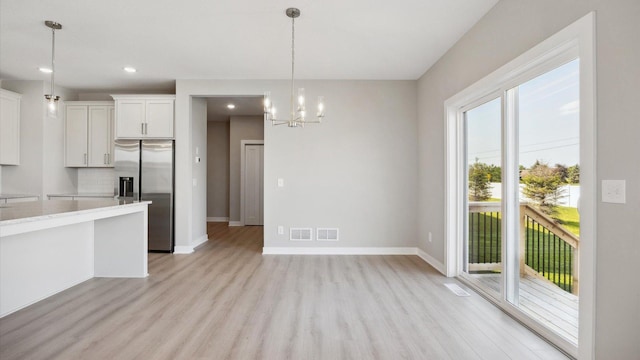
{"x": 243, "y": 144}
{"x": 576, "y": 40}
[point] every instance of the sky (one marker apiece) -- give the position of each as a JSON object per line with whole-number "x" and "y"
{"x": 548, "y": 121}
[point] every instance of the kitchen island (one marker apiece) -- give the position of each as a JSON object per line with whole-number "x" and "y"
{"x": 49, "y": 246}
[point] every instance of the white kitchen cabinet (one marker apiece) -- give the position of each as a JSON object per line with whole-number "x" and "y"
{"x": 144, "y": 116}
{"x": 9, "y": 128}
{"x": 89, "y": 134}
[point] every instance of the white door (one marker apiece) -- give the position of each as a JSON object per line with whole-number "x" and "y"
{"x": 253, "y": 184}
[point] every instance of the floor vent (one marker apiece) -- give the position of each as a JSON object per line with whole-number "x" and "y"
{"x": 300, "y": 234}
{"x": 456, "y": 289}
{"x": 327, "y": 234}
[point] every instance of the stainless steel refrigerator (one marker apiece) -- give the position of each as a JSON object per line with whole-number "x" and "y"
{"x": 145, "y": 171}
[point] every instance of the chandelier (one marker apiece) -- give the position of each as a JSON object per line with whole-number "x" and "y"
{"x": 52, "y": 99}
{"x": 298, "y": 112}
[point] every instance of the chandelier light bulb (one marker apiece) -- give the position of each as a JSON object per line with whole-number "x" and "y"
{"x": 52, "y": 108}
{"x": 301, "y": 98}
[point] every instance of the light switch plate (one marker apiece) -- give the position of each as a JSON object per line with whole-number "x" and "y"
{"x": 280, "y": 182}
{"x": 280, "y": 230}
{"x": 613, "y": 191}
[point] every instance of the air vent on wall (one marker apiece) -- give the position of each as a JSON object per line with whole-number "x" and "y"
{"x": 327, "y": 234}
{"x": 300, "y": 234}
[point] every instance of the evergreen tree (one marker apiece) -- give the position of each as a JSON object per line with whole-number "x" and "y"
{"x": 479, "y": 182}
{"x": 573, "y": 174}
{"x": 542, "y": 185}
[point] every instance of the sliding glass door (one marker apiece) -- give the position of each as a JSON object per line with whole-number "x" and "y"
{"x": 522, "y": 181}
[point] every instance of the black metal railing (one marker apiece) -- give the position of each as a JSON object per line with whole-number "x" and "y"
{"x": 549, "y": 250}
{"x": 485, "y": 244}
{"x": 548, "y": 254}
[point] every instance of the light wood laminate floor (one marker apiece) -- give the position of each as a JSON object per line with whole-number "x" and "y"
{"x": 228, "y": 301}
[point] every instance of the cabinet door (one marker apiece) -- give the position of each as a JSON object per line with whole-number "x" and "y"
{"x": 76, "y": 136}
{"x": 159, "y": 119}
{"x": 130, "y": 116}
{"x": 111, "y": 115}
{"x": 99, "y": 146}
{"x": 9, "y": 129}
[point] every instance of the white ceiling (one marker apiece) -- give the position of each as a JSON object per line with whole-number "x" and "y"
{"x": 245, "y": 106}
{"x": 227, "y": 39}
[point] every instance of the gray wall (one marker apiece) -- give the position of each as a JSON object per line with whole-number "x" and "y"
{"x": 508, "y": 30}
{"x": 41, "y": 170}
{"x": 199, "y": 149}
{"x": 357, "y": 171}
{"x": 241, "y": 128}
{"x": 217, "y": 169}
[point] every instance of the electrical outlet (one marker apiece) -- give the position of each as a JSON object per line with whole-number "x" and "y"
{"x": 280, "y": 230}
{"x": 430, "y": 237}
{"x": 280, "y": 182}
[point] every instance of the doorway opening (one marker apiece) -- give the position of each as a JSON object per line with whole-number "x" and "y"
{"x": 232, "y": 121}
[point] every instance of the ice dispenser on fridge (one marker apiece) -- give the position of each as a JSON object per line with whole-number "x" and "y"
{"x": 126, "y": 187}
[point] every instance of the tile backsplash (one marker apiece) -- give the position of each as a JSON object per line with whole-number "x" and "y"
{"x": 96, "y": 181}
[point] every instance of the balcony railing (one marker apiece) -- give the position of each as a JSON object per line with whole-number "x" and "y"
{"x": 547, "y": 250}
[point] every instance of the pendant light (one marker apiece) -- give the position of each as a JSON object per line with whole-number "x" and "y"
{"x": 52, "y": 99}
{"x": 298, "y": 115}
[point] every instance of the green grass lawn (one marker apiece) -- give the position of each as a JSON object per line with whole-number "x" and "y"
{"x": 569, "y": 218}
{"x": 545, "y": 253}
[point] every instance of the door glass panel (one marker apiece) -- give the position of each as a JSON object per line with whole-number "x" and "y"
{"x": 483, "y": 243}
{"x": 549, "y": 159}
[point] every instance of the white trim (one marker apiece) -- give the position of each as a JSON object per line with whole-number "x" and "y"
{"x": 218, "y": 219}
{"x": 431, "y": 261}
{"x": 203, "y": 239}
{"x": 244, "y": 143}
{"x": 575, "y": 41}
{"x": 182, "y": 249}
{"x": 236, "y": 223}
{"x": 271, "y": 250}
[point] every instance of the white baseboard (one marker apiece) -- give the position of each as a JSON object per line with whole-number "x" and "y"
{"x": 182, "y": 249}
{"x": 188, "y": 249}
{"x": 203, "y": 239}
{"x": 431, "y": 261}
{"x": 236, "y": 223}
{"x": 217, "y": 219}
{"x": 338, "y": 250}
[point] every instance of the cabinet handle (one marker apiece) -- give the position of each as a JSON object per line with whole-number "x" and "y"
{"x": 146, "y": 128}
{"x": 85, "y": 158}
{"x": 142, "y": 128}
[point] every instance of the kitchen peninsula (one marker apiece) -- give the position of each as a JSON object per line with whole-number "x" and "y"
{"x": 49, "y": 246}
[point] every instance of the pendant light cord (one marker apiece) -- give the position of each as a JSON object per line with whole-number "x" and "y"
{"x": 293, "y": 57}
{"x": 53, "y": 60}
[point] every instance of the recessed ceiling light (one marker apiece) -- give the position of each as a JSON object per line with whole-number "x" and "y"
{"x": 231, "y": 106}
{"x": 130, "y": 69}
{"x": 45, "y": 70}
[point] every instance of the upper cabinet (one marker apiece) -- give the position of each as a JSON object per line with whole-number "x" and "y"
{"x": 89, "y": 133}
{"x": 9, "y": 128}
{"x": 144, "y": 116}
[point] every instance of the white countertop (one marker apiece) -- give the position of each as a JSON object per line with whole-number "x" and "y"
{"x": 17, "y": 196}
{"x": 16, "y": 213}
{"x": 90, "y": 195}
